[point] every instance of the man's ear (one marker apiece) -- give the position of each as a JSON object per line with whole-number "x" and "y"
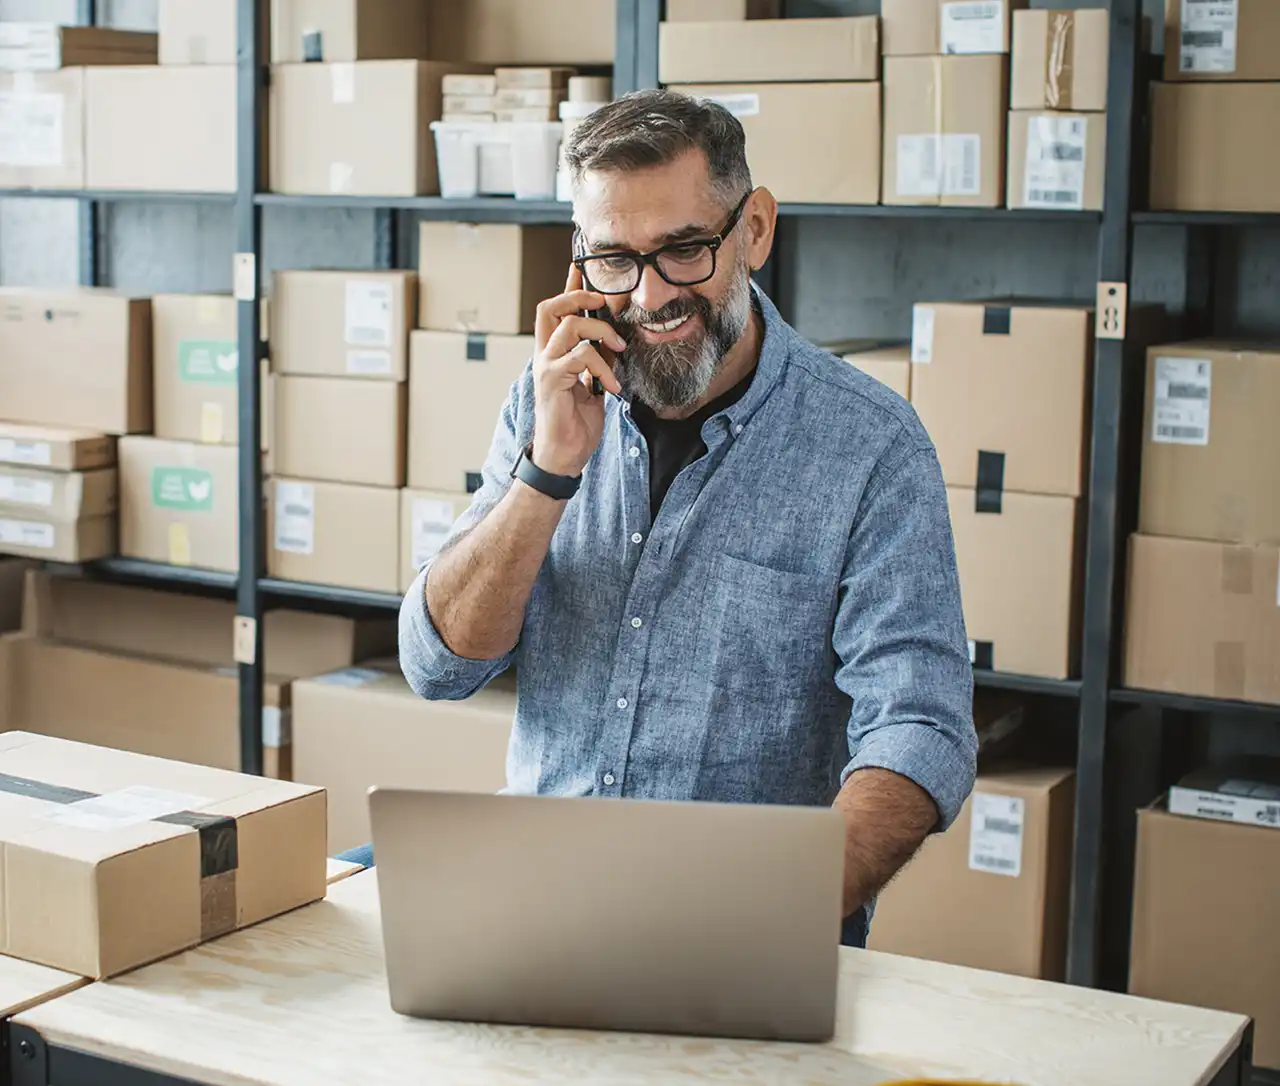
{"x": 760, "y": 218}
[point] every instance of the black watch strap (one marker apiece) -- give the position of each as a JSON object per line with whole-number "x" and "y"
{"x": 560, "y": 487}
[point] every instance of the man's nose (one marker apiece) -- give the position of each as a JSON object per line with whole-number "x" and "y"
{"x": 653, "y": 292}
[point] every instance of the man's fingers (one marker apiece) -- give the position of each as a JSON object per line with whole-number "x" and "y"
{"x": 572, "y": 330}
{"x": 584, "y": 358}
{"x": 554, "y": 310}
{"x": 574, "y": 282}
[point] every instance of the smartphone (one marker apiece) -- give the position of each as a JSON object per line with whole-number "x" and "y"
{"x": 597, "y": 389}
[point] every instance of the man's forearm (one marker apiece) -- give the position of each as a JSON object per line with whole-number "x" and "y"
{"x": 477, "y": 591}
{"x": 887, "y": 818}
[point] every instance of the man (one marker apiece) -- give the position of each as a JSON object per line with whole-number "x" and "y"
{"x": 732, "y": 576}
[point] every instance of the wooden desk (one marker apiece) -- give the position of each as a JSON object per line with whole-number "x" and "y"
{"x": 24, "y": 985}
{"x": 300, "y": 1001}
{"x": 337, "y": 870}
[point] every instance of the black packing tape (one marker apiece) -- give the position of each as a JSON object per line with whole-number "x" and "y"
{"x": 475, "y": 480}
{"x": 477, "y": 347}
{"x": 996, "y": 320}
{"x": 989, "y": 495}
{"x": 984, "y": 656}
{"x": 50, "y": 793}
{"x": 313, "y": 47}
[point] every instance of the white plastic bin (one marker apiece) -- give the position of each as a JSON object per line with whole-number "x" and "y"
{"x": 482, "y": 159}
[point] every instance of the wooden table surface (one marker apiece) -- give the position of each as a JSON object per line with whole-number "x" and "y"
{"x": 23, "y": 985}
{"x": 337, "y": 870}
{"x": 301, "y": 999}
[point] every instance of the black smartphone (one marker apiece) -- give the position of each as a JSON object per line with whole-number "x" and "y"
{"x": 597, "y": 389}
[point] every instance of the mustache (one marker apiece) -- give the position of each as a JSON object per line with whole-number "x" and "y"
{"x": 673, "y": 310}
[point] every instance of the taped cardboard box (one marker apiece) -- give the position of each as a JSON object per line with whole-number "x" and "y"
{"x": 1021, "y": 563}
{"x": 1234, "y": 41}
{"x": 524, "y": 32}
{"x": 944, "y": 130}
{"x": 779, "y": 122}
{"x": 1243, "y": 790}
{"x": 1203, "y": 618}
{"x": 328, "y": 31}
{"x": 1210, "y": 443}
{"x": 770, "y": 50}
{"x": 42, "y": 117}
{"x": 76, "y": 358}
{"x": 457, "y": 387}
{"x": 114, "y": 859}
{"x": 55, "y": 449}
{"x": 934, "y": 27}
{"x": 197, "y": 32}
{"x": 721, "y": 11}
{"x": 340, "y": 430}
{"x": 46, "y": 47}
{"x": 490, "y": 277}
{"x": 196, "y": 370}
{"x": 1231, "y": 963}
{"x": 888, "y": 363}
{"x": 401, "y": 741}
{"x": 1057, "y": 161}
{"x": 1060, "y": 60}
{"x": 426, "y": 519}
{"x": 179, "y": 503}
{"x": 335, "y": 534}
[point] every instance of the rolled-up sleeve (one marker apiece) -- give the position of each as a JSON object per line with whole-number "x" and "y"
{"x": 900, "y": 638}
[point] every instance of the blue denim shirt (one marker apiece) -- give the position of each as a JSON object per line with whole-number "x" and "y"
{"x": 792, "y": 614}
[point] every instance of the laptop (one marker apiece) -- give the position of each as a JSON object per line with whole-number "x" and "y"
{"x": 608, "y": 914}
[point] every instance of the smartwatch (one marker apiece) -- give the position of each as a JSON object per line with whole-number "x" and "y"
{"x": 560, "y": 487}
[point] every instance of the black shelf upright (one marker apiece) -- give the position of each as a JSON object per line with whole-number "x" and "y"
{"x": 87, "y": 253}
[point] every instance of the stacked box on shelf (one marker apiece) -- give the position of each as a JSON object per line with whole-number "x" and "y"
{"x": 197, "y": 32}
{"x": 888, "y": 362}
{"x": 328, "y": 32}
{"x": 921, "y": 28}
{"x": 526, "y": 32}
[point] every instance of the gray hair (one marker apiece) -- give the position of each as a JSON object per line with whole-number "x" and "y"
{"x": 653, "y": 127}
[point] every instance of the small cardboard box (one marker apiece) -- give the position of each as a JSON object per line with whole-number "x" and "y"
{"x": 179, "y": 503}
{"x": 1236, "y": 41}
{"x": 888, "y": 363}
{"x": 495, "y": 32}
{"x": 1057, "y": 161}
{"x": 935, "y": 27}
{"x": 781, "y": 119}
{"x": 457, "y": 386}
{"x": 161, "y": 128}
{"x": 196, "y": 368}
{"x": 76, "y": 358}
{"x": 491, "y": 277}
{"x": 339, "y": 430}
{"x": 36, "y": 535}
{"x": 335, "y": 534}
{"x": 114, "y": 859}
{"x": 328, "y": 31}
{"x": 426, "y": 519}
{"x": 197, "y": 32}
{"x": 1060, "y": 60}
{"x": 343, "y": 323}
{"x": 721, "y": 11}
{"x": 406, "y": 742}
{"x": 43, "y": 145}
{"x": 1211, "y": 445}
{"x": 46, "y": 47}
{"x": 770, "y": 50}
{"x": 1203, "y": 618}
{"x": 1243, "y": 790}
{"x": 61, "y": 497}
{"x": 56, "y": 449}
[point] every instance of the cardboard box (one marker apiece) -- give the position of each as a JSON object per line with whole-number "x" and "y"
{"x": 934, "y": 27}
{"x": 1206, "y": 154}
{"x": 197, "y": 32}
{"x": 481, "y": 86}
{"x": 519, "y": 32}
{"x": 35, "y": 534}
{"x": 489, "y": 278}
{"x": 13, "y": 572}
{"x": 1231, "y": 963}
{"x": 76, "y": 358}
{"x": 46, "y": 47}
{"x": 114, "y": 859}
{"x": 723, "y": 11}
{"x": 944, "y": 130}
{"x": 888, "y": 363}
{"x": 1210, "y": 442}
{"x": 1057, "y": 161}
{"x": 1203, "y": 618}
{"x": 314, "y": 31}
{"x": 522, "y": 98}
{"x": 784, "y": 156}
{"x": 403, "y": 741}
{"x": 56, "y": 449}
{"x": 1244, "y": 790}
{"x": 770, "y": 50}
{"x": 531, "y": 78}
{"x": 196, "y": 368}
{"x": 335, "y": 534}
{"x": 1236, "y": 41}
{"x": 426, "y": 519}
{"x": 179, "y": 503}
{"x": 339, "y": 430}
{"x": 457, "y": 386}
{"x": 523, "y": 116}
{"x": 1003, "y": 391}
{"x": 993, "y": 891}
{"x": 1021, "y": 571}
{"x": 61, "y": 497}
{"x": 1060, "y": 60}
{"x": 43, "y": 125}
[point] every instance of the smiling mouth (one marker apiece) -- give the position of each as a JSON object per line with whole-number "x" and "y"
{"x": 666, "y": 326}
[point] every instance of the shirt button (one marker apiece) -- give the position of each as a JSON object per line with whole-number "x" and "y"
{"x": 637, "y": 538}
{"x": 609, "y": 779}
{"x": 636, "y": 623}
{"x": 634, "y": 451}
{"x": 622, "y": 703}
{"x": 738, "y": 429}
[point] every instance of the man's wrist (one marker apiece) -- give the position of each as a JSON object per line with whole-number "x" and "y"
{"x": 554, "y": 484}
{"x": 546, "y": 460}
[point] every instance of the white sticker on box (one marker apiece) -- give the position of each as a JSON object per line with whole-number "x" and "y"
{"x": 961, "y": 164}
{"x": 922, "y": 321}
{"x": 740, "y": 105}
{"x": 343, "y": 78}
{"x": 15, "y": 451}
{"x": 1183, "y": 401}
{"x": 351, "y": 676}
{"x": 973, "y": 26}
{"x": 1209, "y": 30}
{"x": 27, "y": 533}
{"x": 295, "y": 515}
{"x": 124, "y": 807}
{"x": 23, "y": 491}
{"x": 277, "y": 727}
{"x": 432, "y": 523}
{"x": 340, "y": 174}
{"x": 31, "y": 129}
{"x": 995, "y": 834}
{"x": 368, "y": 314}
{"x": 919, "y": 165}
{"x": 1055, "y": 166}
{"x": 31, "y": 47}
{"x": 369, "y": 363}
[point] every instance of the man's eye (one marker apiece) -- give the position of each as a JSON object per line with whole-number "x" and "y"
{"x": 616, "y": 263}
{"x": 687, "y": 254}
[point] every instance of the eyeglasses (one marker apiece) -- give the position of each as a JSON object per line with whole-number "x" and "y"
{"x": 682, "y": 263}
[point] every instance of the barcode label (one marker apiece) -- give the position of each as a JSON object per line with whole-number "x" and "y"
{"x": 922, "y": 322}
{"x": 30, "y": 47}
{"x": 1183, "y": 401}
{"x": 23, "y": 491}
{"x": 368, "y": 314}
{"x": 973, "y": 26}
{"x": 16, "y": 451}
{"x": 31, "y": 129}
{"x": 1054, "y": 172}
{"x": 919, "y": 165}
{"x": 27, "y": 533}
{"x": 1208, "y": 36}
{"x": 961, "y": 164}
{"x": 995, "y": 834}
{"x": 432, "y": 523}
{"x": 295, "y": 518}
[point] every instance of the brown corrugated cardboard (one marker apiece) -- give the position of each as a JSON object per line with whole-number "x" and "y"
{"x": 426, "y": 517}
{"x": 1206, "y": 154}
{"x": 46, "y": 47}
{"x": 483, "y": 86}
{"x": 1238, "y": 40}
{"x": 1060, "y": 59}
{"x": 489, "y": 278}
{"x": 469, "y": 104}
{"x": 992, "y": 891}
{"x": 56, "y": 449}
{"x": 340, "y": 430}
{"x": 522, "y": 97}
{"x": 1020, "y": 577}
{"x": 43, "y": 145}
{"x": 12, "y": 573}
{"x": 934, "y": 27}
{"x": 521, "y": 116}
{"x": 705, "y": 11}
{"x": 157, "y": 857}
{"x": 196, "y": 367}
{"x": 888, "y": 363}
{"x": 335, "y": 534}
{"x": 530, "y": 78}
{"x": 770, "y": 50}
{"x": 60, "y": 497}
{"x": 404, "y": 741}
{"x": 520, "y": 32}
{"x": 457, "y": 386}
{"x": 169, "y": 128}
{"x": 1002, "y": 390}
{"x": 784, "y": 156}
{"x": 590, "y": 88}
{"x": 36, "y": 535}
{"x": 311, "y": 31}
{"x": 1203, "y": 618}
{"x": 197, "y": 32}
{"x": 944, "y": 130}
{"x": 77, "y": 358}
{"x": 1227, "y": 960}
{"x": 179, "y": 503}
{"x": 1057, "y": 161}
{"x": 1211, "y": 443}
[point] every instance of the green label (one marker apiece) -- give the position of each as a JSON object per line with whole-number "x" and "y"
{"x": 208, "y": 361}
{"x": 187, "y": 489}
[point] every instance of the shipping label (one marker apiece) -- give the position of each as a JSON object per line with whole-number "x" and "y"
{"x": 432, "y": 522}
{"x": 922, "y": 321}
{"x": 973, "y": 26}
{"x": 919, "y": 165}
{"x": 295, "y": 515}
{"x": 27, "y": 533}
{"x": 1055, "y": 166}
{"x": 124, "y": 807}
{"x": 1208, "y": 41}
{"x": 15, "y": 451}
{"x": 24, "y": 491}
{"x": 31, "y": 129}
{"x": 368, "y": 313}
{"x": 995, "y": 834}
{"x": 961, "y": 164}
{"x": 1183, "y": 401}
